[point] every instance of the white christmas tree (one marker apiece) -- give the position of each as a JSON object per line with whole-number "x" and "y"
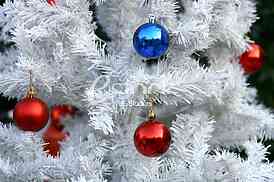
{"x": 209, "y": 109}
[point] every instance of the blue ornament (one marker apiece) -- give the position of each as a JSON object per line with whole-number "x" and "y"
{"x": 151, "y": 40}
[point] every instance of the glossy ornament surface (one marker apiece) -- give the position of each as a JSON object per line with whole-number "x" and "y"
{"x": 55, "y": 133}
{"x": 152, "y": 138}
{"x": 51, "y": 2}
{"x": 52, "y": 140}
{"x": 31, "y": 114}
{"x": 59, "y": 112}
{"x": 253, "y": 59}
{"x": 151, "y": 40}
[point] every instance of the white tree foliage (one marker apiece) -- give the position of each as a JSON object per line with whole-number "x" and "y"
{"x": 208, "y": 109}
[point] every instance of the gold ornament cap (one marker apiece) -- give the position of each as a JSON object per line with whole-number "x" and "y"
{"x": 151, "y": 113}
{"x": 31, "y": 90}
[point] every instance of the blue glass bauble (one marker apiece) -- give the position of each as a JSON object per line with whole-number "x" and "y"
{"x": 151, "y": 40}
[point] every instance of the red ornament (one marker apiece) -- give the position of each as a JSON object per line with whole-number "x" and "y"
{"x": 52, "y": 138}
{"x": 55, "y": 134}
{"x": 252, "y": 60}
{"x": 31, "y": 114}
{"x": 152, "y": 138}
{"x": 51, "y": 2}
{"x": 59, "y": 112}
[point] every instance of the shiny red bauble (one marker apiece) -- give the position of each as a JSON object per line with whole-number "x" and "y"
{"x": 52, "y": 139}
{"x": 51, "y": 2}
{"x": 252, "y": 60}
{"x": 55, "y": 133}
{"x": 152, "y": 138}
{"x": 59, "y": 112}
{"x": 31, "y": 114}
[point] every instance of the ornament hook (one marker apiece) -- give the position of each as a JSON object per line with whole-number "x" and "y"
{"x": 31, "y": 91}
{"x": 151, "y": 113}
{"x": 152, "y": 19}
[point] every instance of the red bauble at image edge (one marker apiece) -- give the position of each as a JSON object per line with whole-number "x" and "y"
{"x": 152, "y": 138}
{"x": 252, "y": 60}
{"x": 51, "y": 2}
{"x": 31, "y": 114}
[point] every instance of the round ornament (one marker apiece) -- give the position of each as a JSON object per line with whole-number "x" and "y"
{"x": 152, "y": 138}
{"x": 151, "y": 40}
{"x": 52, "y": 138}
{"x": 31, "y": 114}
{"x": 59, "y": 112}
{"x": 252, "y": 60}
{"x": 51, "y": 2}
{"x": 55, "y": 132}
